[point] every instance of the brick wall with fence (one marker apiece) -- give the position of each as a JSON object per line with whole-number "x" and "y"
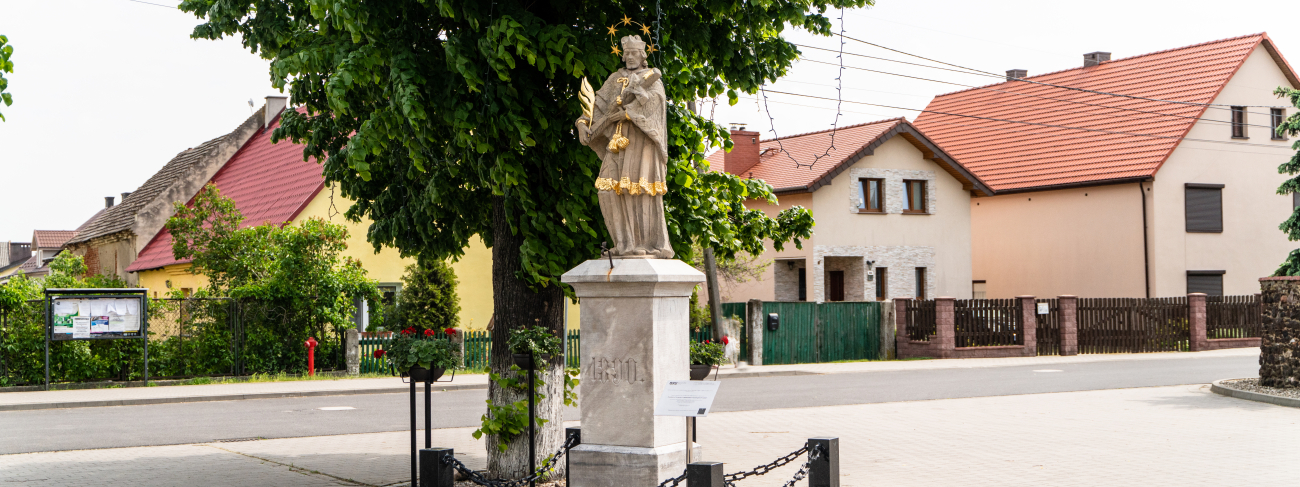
{"x": 1068, "y": 325}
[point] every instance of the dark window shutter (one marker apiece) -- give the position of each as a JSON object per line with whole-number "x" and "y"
{"x": 1211, "y": 284}
{"x": 1204, "y": 209}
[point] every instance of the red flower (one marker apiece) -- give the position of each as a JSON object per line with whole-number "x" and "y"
{"x": 408, "y": 331}
{"x": 726, "y": 340}
{"x": 706, "y": 341}
{"x": 429, "y": 333}
{"x": 450, "y": 331}
{"x": 379, "y": 353}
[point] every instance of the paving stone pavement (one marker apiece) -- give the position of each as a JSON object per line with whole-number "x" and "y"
{"x": 1175, "y": 436}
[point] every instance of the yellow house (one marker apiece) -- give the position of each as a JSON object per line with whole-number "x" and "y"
{"x": 270, "y": 183}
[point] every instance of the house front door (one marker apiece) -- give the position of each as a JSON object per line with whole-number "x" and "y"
{"x": 836, "y": 286}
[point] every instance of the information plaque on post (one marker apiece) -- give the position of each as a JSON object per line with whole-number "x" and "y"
{"x": 96, "y": 314}
{"x": 691, "y": 398}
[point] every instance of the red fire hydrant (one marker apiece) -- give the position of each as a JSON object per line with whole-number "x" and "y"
{"x": 311, "y": 355}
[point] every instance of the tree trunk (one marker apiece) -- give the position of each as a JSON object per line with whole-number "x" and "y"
{"x": 516, "y": 305}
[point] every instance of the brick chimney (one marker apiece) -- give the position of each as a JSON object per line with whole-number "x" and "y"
{"x": 744, "y": 151}
{"x": 1095, "y": 58}
{"x": 124, "y": 195}
{"x": 1013, "y": 74}
{"x": 108, "y": 202}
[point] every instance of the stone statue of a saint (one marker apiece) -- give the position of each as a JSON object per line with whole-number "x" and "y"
{"x": 628, "y": 130}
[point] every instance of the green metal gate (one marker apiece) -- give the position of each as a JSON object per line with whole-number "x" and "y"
{"x": 825, "y": 332}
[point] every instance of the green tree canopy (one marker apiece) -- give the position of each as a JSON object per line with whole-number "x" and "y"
{"x": 6, "y": 66}
{"x": 1290, "y": 126}
{"x": 428, "y": 300}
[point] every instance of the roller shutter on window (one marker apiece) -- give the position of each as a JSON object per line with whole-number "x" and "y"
{"x": 1208, "y": 282}
{"x": 1204, "y": 208}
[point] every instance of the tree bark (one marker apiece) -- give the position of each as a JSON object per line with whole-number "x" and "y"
{"x": 517, "y": 305}
{"x": 715, "y": 295}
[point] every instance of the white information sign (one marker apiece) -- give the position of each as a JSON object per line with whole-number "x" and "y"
{"x": 691, "y": 398}
{"x": 1042, "y": 308}
{"x": 81, "y": 327}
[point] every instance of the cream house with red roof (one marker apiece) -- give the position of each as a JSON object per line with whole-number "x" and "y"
{"x": 1153, "y": 175}
{"x": 892, "y": 214}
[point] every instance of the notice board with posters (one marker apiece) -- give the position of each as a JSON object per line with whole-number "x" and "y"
{"x": 96, "y": 314}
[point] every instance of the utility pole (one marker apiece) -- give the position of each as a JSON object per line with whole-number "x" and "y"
{"x": 711, "y": 274}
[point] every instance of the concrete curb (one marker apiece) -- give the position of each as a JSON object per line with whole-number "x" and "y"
{"x": 224, "y": 397}
{"x": 281, "y": 395}
{"x": 1224, "y": 390}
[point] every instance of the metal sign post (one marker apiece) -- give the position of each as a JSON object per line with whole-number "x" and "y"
{"x": 96, "y": 314}
{"x": 689, "y": 398}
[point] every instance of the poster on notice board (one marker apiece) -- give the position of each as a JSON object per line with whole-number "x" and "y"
{"x": 80, "y": 318}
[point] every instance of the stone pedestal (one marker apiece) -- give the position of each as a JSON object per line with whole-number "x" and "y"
{"x": 634, "y": 339}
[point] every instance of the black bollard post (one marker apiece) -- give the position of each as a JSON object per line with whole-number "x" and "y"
{"x": 415, "y": 473}
{"x": 825, "y": 470}
{"x": 704, "y": 474}
{"x": 428, "y": 411}
{"x": 434, "y": 473}
{"x": 532, "y": 423}
{"x": 574, "y": 434}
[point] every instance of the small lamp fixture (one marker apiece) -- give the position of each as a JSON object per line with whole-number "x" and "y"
{"x": 789, "y": 264}
{"x": 870, "y": 263}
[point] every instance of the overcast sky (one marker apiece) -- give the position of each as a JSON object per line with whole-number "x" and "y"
{"x": 107, "y": 91}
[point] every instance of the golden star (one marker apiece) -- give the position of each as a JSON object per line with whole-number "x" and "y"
{"x": 645, "y": 29}
{"x": 651, "y": 48}
{"x": 626, "y": 20}
{"x": 612, "y": 30}
{"x": 616, "y": 51}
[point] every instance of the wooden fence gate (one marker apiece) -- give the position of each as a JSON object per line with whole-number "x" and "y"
{"x": 1048, "y": 332}
{"x": 1133, "y": 325}
{"x": 821, "y": 332}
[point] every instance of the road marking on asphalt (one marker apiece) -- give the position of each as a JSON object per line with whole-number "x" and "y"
{"x": 336, "y": 408}
{"x": 1049, "y": 370}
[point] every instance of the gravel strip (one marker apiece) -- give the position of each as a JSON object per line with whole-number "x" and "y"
{"x": 1252, "y": 385}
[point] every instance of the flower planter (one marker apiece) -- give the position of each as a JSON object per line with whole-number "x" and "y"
{"x": 700, "y": 372}
{"x": 421, "y": 374}
{"x": 524, "y": 361}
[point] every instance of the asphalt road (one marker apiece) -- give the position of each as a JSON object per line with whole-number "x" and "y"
{"x": 167, "y": 424}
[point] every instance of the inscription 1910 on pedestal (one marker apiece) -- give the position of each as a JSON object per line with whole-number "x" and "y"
{"x": 634, "y": 340}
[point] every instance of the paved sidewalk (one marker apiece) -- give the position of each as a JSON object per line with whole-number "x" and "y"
{"x": 1160, "y": 436}
{"x": 12, "y": 401}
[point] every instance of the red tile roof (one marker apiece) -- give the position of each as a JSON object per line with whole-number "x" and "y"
{"x": 270, "y": 183}
{"x": 51, "y": 239}
{"x": 1012, "y": 156}
{"x": 851, "y": 144}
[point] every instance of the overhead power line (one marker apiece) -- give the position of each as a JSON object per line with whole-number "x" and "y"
{"x": 1066, "y": 127}
{"x": 1041, "y": 97}
{"x": 1085, "y": 90}
{"x": 173, "y": 7}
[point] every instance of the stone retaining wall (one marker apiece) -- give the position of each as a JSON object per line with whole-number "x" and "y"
{"x": 1279, "y": 358}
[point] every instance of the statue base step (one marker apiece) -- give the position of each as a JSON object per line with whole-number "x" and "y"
{"x": 626, "y": 466}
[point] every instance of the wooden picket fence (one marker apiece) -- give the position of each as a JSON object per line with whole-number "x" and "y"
{"x": 1048, "y": 331}
{"x": 987, "y": 322}
{"x": 1233, "y": 316}
{"x": 920, "y": 320}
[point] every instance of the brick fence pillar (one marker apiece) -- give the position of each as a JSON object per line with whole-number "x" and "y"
{"x": 900, "y": 323}
{"x": 1196, "y": 322}
{"x": 1068, "y": 316}
{"x": 945, "y": 320}
{"x": 1029, "y": 321}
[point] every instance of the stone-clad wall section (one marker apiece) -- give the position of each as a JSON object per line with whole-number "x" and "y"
{"x": 901, "y": 261}
{"x": 1279, "y": 350}
{"x": 893, "y": 187}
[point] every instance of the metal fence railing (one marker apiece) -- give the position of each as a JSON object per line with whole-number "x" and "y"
{"x": 1239, "y": 316}
{"x": 987, "y": 322}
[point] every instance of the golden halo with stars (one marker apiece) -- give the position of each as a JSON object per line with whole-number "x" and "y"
{"x": 627, "y": 21}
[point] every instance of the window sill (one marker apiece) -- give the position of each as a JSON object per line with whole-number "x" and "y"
{"x": 870, "y": 212}
{"x": 1280, "y": 139}
{"x": 1205, "y": 231}
{"x": 1241, "y": 138}
{"x": 905, "y": 212}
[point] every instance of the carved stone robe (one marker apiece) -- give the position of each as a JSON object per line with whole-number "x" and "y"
{"x": 632, "y": 179}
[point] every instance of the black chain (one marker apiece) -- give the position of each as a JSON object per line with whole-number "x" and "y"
{"x": 546, "y": 468}
{"x": 672, "y": 482}
{"x": 763, "y": 469}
